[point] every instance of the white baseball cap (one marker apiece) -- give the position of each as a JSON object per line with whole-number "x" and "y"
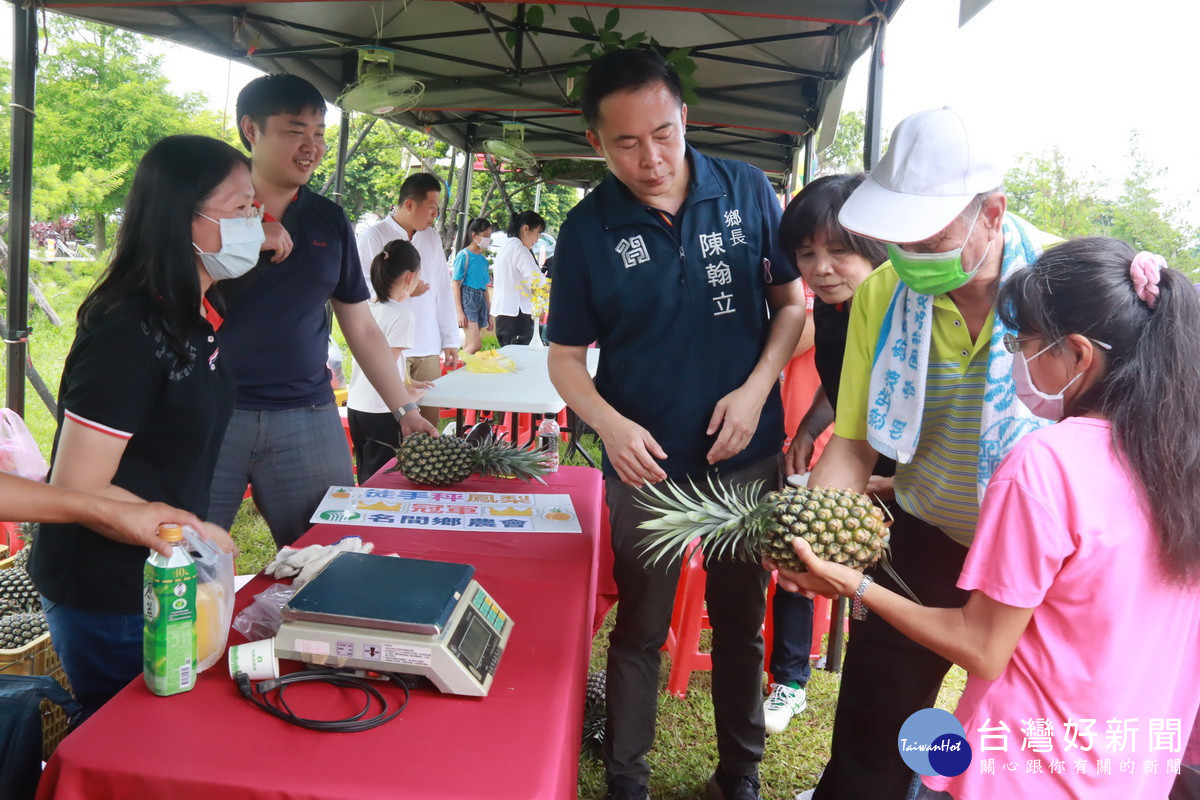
{"x": 932, "y": 169}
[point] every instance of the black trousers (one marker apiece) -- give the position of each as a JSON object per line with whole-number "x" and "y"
{"x": 514, "y": 330}
{"x": 374, "y": 437}
{"x": 886, "y": 676}
{"x": 736, "y": 598}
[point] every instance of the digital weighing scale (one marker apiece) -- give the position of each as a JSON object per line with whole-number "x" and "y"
{"x": 389, "y": 614}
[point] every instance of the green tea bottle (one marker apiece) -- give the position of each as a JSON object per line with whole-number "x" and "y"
{"x": 169, "y": 610}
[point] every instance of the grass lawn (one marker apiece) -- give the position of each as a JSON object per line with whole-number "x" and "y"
{"x": 685, "y": 750}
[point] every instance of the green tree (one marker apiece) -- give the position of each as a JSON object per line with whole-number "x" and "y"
{"x": 380, "y": 163}
{"x": 1043, "y": 190}
{"x": 1142, "y": 219}
{"x": 102, "y": 101}
{"x": 845, "y": 152}
{"x": 389, "y": 153}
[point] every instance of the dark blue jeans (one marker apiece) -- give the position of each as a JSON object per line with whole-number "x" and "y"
{"x": 793, "y": 619}
{"x": 100, "y": 653}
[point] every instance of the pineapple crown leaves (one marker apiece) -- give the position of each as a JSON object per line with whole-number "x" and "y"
{"x": 725, "y": 526}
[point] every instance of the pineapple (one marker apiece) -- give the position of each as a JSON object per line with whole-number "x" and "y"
{"x": 840, "y": 525}
{"x": 594, "y": 711}
{"x": 18, "y": 630}
{"x": 444, "y": 460}
{"x": 17, "y": 592}
{"x": 27, "y": 533}
{"x": 17, "y": 589}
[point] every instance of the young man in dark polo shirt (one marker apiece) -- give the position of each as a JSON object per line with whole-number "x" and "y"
{"x": 671, "y": 265}
{"x": 285, "y": 438}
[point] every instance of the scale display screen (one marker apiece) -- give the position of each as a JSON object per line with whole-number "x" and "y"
{"x": 476, "y": 642}
{"x": 475, "y": 639}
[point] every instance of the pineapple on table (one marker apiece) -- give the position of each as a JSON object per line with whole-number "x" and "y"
{"x": 21, "y": 616}
{"x": 445, "y": 460}
{"x": 840, "y": 525}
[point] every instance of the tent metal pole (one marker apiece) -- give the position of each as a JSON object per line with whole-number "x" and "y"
{"x": 872, "y": 136}
{"x": 339, "y": 179}
{"x": 21, "y": 160}
{"x": 810, "y": 156}
{"x": 464, "y": 198}
{"x": 349, "y": 155}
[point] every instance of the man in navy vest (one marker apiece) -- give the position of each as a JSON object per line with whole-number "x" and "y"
{"x": 672, "y": 264}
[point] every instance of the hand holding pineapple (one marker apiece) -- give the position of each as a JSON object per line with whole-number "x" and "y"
{"x": 822, "y": 577}
{"x": 835, "y": 525}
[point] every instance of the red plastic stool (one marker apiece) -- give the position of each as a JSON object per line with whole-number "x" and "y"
{"x": 689, "y": 617}
{"x": 10, "y": 534}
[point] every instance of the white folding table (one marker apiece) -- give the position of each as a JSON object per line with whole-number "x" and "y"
{"x": 526, "y": 391}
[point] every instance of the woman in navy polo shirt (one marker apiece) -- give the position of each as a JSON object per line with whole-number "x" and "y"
{"x": 144, "y": 397}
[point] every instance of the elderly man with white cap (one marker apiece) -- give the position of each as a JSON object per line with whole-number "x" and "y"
{"x": 926, "y": 381}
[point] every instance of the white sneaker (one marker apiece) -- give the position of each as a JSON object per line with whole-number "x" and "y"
{"x": 781, "y": 705}
{"x": 807, "y": 794}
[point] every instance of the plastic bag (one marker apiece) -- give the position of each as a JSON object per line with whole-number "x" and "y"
{"x": 489, "y": 361}
{"x": 19, "y": 454}
{"x": 262, "y": 618}
{"x": 214, "y": 597}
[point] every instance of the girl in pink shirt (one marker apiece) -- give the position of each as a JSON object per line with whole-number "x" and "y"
{"x": 1081, "y": 636}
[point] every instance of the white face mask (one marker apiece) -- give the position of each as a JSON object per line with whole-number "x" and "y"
{"x": 1046, "y": 406}
{"x": 484, "y": 242}
{"x": 241, "y": 241}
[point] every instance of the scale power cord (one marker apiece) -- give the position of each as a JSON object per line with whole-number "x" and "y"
{"x": 269, "y": 696}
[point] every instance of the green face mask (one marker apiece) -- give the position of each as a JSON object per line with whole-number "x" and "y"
{"x": 934, "y": 273}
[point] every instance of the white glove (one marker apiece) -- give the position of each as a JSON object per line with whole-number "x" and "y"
{"x": 307, "y": 562}
{"x": 278, "y": 568}
{"x": 351, "y": 544}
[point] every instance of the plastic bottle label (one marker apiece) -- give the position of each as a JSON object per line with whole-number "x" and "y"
{"x": 169, "y": 628}
{"x": 548, "y": 435}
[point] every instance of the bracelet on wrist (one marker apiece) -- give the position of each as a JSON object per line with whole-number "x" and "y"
{"x": 405, "y": 409}
{"x": 858, "y": 609}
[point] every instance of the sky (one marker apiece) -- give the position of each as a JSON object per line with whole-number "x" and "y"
{"x": 1081, "y": 75}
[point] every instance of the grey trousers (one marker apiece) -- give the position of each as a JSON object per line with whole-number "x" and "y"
{"x": 736, "y": 599}
{"x": 290, "y": 457}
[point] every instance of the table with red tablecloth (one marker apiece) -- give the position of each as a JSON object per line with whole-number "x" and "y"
{"x": 521, "y": 741}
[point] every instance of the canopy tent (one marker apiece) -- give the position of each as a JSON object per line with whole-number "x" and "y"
{"x": 765, "y": 68}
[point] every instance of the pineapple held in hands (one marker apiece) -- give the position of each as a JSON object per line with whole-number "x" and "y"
{"x": 445, "y": 460}
{"x": 840, "y": 525}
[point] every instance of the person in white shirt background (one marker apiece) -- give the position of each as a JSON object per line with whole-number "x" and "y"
{"x": 512, "y": 279}
{"x": 373, "y": 429}
{"x": 437, "y": 334}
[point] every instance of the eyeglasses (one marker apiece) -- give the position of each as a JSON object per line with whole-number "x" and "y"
{"x": 1013, "y": 344}
{"x": 255, "y": 213}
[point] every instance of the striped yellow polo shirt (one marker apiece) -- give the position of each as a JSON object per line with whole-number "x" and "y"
{"x": 938, "y": 486}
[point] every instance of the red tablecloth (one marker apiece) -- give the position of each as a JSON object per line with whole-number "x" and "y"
{"x": 521, "y": 741}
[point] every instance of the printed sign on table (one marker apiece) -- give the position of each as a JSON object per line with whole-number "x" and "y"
{"x": 442, "y": 509}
